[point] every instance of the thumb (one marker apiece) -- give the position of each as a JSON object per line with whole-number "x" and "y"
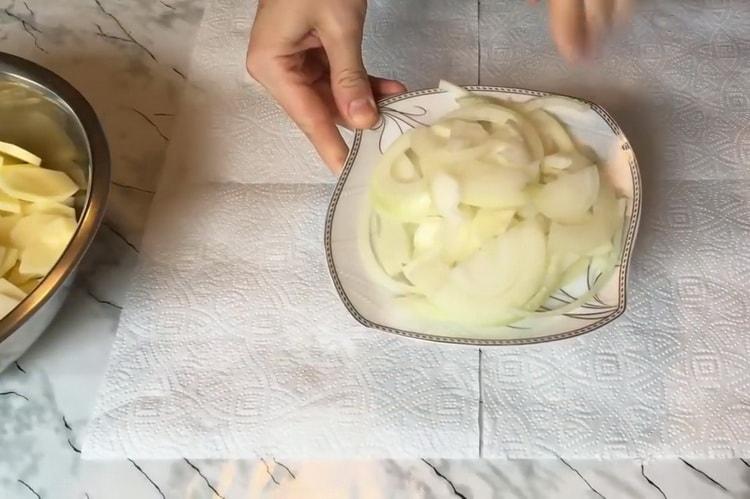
{"x": 350, "y": 83}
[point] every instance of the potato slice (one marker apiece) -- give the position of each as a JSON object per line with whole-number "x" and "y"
{"x": 41, "y": 130}
{"x": 36, "y": 184}
{"x": 9, "y": 204}
{"x": 30, "y": 286}
{"x": 28, "y": 229}
{"x": 20, "y": 153}
{"x": 49, "y": 207}
{"x": 10, "y": 258}
{"x": 9, "y": 289}
{"x": 43, "y": 239}
{"x": 7, "y": 223}
{"x": 16, "y": 277}
{"x": 7, "y": 304}
{"x": 38, "y": 259}
{"x": 42, "y": 227}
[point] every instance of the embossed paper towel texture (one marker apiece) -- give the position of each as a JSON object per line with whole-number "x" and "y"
{"x": 418, "y": 42}
{"x": 676, "y": 79}
{"x": 234, "y": 344}
{"x": 668, "y": 378}
{"x": 671, "y": 377}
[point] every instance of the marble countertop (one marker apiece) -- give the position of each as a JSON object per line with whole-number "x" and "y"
{"x": 128, "y": 57}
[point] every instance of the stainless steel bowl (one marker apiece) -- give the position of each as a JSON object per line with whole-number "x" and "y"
{"x": 20, "y": 328}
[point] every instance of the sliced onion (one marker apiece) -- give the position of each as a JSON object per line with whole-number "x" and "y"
{"x": 500, "y": 115}
{"x": 482, "y": 216}
{"x": 458, "y": 92}
{"x": 568, "y": 198}
{"x": 391, "y": 243}
{"x": 555, "y": 101}
{"x": 488, "y": 186}
{"x": 552, "y": 129}
{"x": 489, "y": 223}
{"x": 427, "y": 273}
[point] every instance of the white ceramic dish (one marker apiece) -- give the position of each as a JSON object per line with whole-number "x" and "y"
{"x": 372, "y": 305}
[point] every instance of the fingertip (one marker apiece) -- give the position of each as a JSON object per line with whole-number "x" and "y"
{"x": 336, "y": 162}
{"x": 571, "y": 49}
{"x": 333, "y": 152}
{"x": 383, "y": 87}
{"x": 567, "y": 23}
{"x": 392, "y": 87}
{"x": 362, "y": 112}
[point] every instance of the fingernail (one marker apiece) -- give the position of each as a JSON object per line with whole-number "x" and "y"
{"x": 361, "y": 112}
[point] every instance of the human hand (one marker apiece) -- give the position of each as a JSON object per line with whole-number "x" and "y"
{"x": 308, "y": 55}
{"x": 578, "y": 26}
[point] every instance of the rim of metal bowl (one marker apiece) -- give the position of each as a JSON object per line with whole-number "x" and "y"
{"x": 98, "y": 184}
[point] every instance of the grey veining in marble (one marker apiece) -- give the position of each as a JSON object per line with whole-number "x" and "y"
{"x": 128, "y": 57}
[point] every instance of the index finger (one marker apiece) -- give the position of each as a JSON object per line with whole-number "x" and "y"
{"x": 567, "y": 22}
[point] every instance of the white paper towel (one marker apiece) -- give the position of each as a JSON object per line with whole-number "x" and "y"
{"x": 672, "y": 376}
{"x": 233, "y": 343}
{"x": 676, "y": 79}
{"x": 207, "y": 365}
{"x": 417, "y": 42}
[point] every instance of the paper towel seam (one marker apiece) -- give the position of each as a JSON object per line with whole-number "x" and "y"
{"x": 480, "y": 405}
{"x": 479, "y": 44}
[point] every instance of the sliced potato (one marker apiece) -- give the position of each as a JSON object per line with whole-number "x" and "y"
{"x": 12, "y": 150}
{"x": 38, "y": 259}
{"x": 49, "y": 207}
{"x": 10, "y": 258}
{"x": 30, "y": 286}
{"x": 17, "y": 277}
{"x": 7, "y": 223}
{"x": 36, "y": 184}
{"x": 42, "y": 131}
{"x": 29, "y": 228}
{"x": 42, "y": 227}
{"x": 9, "y": 204}
{"x": 7, "y": 304}
{"x": 7, "y": 288}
